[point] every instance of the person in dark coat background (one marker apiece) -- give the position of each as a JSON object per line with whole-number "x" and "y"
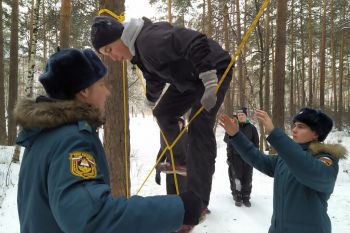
{"x": 64, "y": 183}
{"x": 241, "y": 173}
{"x": 191, "y": 63}
{"x": 304, "y": 170}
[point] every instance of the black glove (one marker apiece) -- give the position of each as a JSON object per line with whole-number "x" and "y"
{"x": 157, "y": 178}
{"x": 192, "y": 204}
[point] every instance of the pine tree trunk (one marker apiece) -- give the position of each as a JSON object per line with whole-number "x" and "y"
{"x": 323, "y": 55}
{"x": 267, "y": 63}
{"x": 262, "y": 47}
{"x": 114, "y": 136}
{"x": 210, "y": 19}
{"x": 245, "y": 78}
{"x": 170, "y": 16}
{"x": 65, "y": 18}
{"x": 241, "y": 86}
{"x": 228, "y": 104}
{"x": 28, "y": 89}
{"x": 13, "y": 77}
{"x": 31, "y": 25}
{"x": 203, "y": 18}
{"x": 3, "y": 134}
{"x": 302, "y": 82}
{"x": 310, "y": 45}
{"x": 280, "y": 56}
{"x": 341, "y": 78}
{"x": 333, "y": 54}
{"x": 291, "y": 90}
{"x": 45, "y": 35}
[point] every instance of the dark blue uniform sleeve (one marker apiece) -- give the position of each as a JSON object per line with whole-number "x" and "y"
{"x": 307, "y": 169}
{"x": 86, "y": 205}
{"x": 247, "y": 150}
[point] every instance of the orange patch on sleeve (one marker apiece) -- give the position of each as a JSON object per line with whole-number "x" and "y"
{"x": 326, "y": 161}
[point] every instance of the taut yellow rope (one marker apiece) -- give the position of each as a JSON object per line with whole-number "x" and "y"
{"x": 233, "y": 60}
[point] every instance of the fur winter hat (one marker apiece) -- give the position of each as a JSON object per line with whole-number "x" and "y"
{"x": 69, "y": 71}
{"x": 316, "y": 120}
{"x": 242, "y": 110}
{"x": 104, "y": 31}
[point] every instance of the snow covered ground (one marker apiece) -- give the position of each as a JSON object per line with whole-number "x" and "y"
{"x": 224, "y": 217}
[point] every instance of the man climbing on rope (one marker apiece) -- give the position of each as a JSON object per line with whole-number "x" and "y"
{"x": 191, "y": 63}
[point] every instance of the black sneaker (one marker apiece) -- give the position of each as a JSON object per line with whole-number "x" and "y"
{"x": 247, "y": 203}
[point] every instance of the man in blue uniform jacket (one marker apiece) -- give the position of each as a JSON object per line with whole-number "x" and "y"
{"x": 304, "y": 171}
{"x": 64, "y": 181}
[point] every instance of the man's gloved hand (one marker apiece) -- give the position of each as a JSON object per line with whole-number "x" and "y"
{"x": 157, "y": 178}
{"x": 193, "y": 205}
{"x": 210, "y": 81}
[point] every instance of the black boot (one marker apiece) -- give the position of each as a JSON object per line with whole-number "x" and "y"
{"x": 246, "y": 201}
{"x": 238, "y": 199}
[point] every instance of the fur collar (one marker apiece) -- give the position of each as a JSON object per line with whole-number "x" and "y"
{"x": 31, "y": 114}
{"x": 336, "y": 150}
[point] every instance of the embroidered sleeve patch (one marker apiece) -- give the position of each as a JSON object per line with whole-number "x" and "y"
{"x": 326, "y": 161}
{"x": 82, "y": 164}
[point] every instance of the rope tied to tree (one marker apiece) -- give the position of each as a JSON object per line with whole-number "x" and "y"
{"x": 121, "y": 18}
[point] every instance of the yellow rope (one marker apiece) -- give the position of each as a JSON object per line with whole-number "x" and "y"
{"x": 172, "y": 162}
{"x": 139, "y": 75}
{"x": 234, "y": 58}
{"x": 125, "y": 134}
{"x": 120, "y": 17}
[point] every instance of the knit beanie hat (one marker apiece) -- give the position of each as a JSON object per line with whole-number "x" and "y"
{"x": 316, "y": 120}
{"x": 242, "y": 110}
{"x": 69, "y": 71}
{"x": 104, "y": 31}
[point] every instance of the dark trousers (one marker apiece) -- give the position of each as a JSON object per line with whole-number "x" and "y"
{"x": 202, "y": 143}
{"x": 240, "y": 174}
{"x": 179, "y": 159}
{"x": 170, "y": 184}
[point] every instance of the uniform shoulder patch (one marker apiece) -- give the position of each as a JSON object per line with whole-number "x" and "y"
{"x": 82, "y": 164}
{"x": 326, "y": 161}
